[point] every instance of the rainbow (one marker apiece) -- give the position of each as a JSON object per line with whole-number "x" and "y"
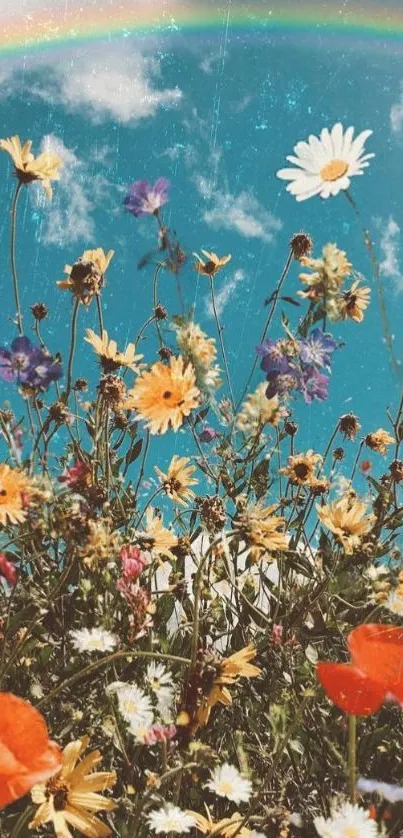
{"x": 74, "y": 23}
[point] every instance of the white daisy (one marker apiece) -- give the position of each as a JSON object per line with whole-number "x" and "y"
{"x": 93, "y": 640}
{"x": 135, "y": 707}
{"x": 226, "y": 781}
{"x": 350, "y": 821}
{"x": 171, "y": 819}
{"x": 325, "y": 165}
{"x": 160, "y": 683}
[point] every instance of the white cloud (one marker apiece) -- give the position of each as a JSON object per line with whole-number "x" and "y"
{"x": 242, "y": 213}
{"x": 396, "y": 114}
{"x": 116, "y": 82}
{"x": 225, "y": 294}
{"x": 67, "y": 218}
{"x": 390, "y": 247}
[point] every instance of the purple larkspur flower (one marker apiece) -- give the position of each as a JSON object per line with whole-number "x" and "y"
{"x": 145, "y": 198}
{"x": 207, "y": 434}
{"x": 273, "y": 358}
{"x": 317, "y": 348}
{"x": 27, "y": 364}
{"x": 313, "y": 385}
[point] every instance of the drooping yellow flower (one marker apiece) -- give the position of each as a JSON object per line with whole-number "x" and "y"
{"x": 71, "y": 797}
{"x": 164, "y": 395}
{"x": 110, "y": 357}
{"x": 102, "y": 542}
{"x": 15, "y": 491}
{"x": 28, "y": 168}
{"x": 258, "y": 411}
{"x": 379, "y": 440}
{"x": 229, "y": 670}
{"x": 262, "y": 532}
{"x": 227, "y": 827}
{"x": 328, "y": 274}
{"x": 301, "y": 468}
{"x": 177, "y": 480}
{"x": 156, "y": 538}
{"x": 348, "y": 520}
{"x": 212, "y": 263}
{"x": 353, "y": 303}
{"x": 86, "y": 277}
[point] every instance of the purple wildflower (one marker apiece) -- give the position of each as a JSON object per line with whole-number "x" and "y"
{"x": 27, "y": 364}
{"x": 145, "y": 198}
{"x": 281, "y": 383}
{"x": 273, "y": 358}
{"x": 313, "y": 385}
{"x": 317, "y": 348}
{"x": 207, "y": 434}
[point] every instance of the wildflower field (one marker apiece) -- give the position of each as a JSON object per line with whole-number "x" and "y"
{"x": 212, "y": 645}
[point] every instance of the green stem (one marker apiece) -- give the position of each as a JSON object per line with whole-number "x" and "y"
{"x": 13, "y": 263}
{"x": 92, "y": 667}
{"x": 155, "y": 300}
{"x": 352, "y": 754}
{"x": 72, "y": 347}
{"x": 100, "y": 318}
{"x": 221, "y": 340}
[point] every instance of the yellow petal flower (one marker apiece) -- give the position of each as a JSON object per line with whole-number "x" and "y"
{"x": 28, "y": 168}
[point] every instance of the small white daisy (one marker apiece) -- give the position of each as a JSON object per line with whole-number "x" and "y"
{"x": 135, "y": 707}
{"x": 325, "y": 164}
{"x": 93, "y": 640}
{"x": 160, "y": 683}
{"x": 350, "y": 821}
{"x": 226, "y": 781}
{"x": 171, "y": 819}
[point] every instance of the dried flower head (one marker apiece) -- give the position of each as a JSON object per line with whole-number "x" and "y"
{"x": 349, "y": 426}
{"x": 39, "y": 311}
{"x": 301, "y": 245}
{"x": 113, "y": 390}
{"x": 379, "y": 440}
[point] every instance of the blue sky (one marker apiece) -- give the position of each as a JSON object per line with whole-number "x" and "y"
{"x": 216, "y": 113}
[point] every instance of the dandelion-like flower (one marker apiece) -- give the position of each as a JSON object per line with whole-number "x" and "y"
{"x": 15, "y": 492}
{"x": 164, "y": 395}
{"x": 328, "y": 273}
{"x": 211, "y": 264}
{"x": 201, "y": 351}
{"x": 326, "y": 164}
{"x": 171, "y": 819}
{"x": 350, "y": 821}
{"x": 176, "y": 481}
{"x": 110, "y": 357}
{"x": 28, "y": 168}
{"x": 262, "y": 532}
{"x": 379, "y": 440}
{"x": 258, "y": 411}
{"x": 226, "y": 781}
{"x": 348, "y": 520}
{"x": 71, "y": 798}
{"x": 93, "y": 640}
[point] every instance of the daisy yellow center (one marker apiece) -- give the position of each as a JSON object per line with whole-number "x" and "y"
{"x": 226, "y": 787}
{"x": 94, "y": 643}
{"x": 3, "y": 492}
{"x": 351, "y": 832}
{"x": 130, "y": 706}
{"x": 333, "y": 170}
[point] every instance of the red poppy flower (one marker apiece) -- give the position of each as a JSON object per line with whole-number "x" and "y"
{"x": 27, "y": 755}
{"x": 374, "y": 675}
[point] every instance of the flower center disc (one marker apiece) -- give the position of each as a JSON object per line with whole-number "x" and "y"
{"x": 334, "y": 170}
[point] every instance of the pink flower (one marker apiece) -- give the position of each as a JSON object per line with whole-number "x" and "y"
{"x": 77, "y": 475}
{"x": 132, "y": 562}
{"x": 159, "y": 733}
{"x": 277, "y": 635}
{"x": 8, "y": 570}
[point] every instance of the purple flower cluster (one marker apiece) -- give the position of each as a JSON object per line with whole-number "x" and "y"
{"x": 144, "y": 198}
{"x": 295, "y": 365}
{"x": 27, "y": 364}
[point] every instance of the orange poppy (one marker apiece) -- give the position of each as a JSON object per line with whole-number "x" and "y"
{"x": 27, "y": 755}
{"x": 374, "y": 675}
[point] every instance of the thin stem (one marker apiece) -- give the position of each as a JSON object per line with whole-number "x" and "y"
{"x": 220, "y": 337}
{"x": 352, "y": 756}
{"x": 13, "y": 262}
{"x": 155, "y": 300}
{"x": 270, "y": 316}
{"x": 143, "y": 463}
{"x": 100, "y": 318}
{"x": 72, "y": 347}
{"x": 143, "y": 328}
{"x": 376, "y": 270}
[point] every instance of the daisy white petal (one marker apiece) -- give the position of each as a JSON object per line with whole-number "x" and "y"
{"x": 226, "y": 781}
{"x": 171, "y": 819}
{"x": 93, "y": 640}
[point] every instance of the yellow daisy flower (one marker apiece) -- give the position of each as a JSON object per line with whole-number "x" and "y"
{"x": 86, "y": 277}
{"x": 177, "y": 480}
{"x": 156, "y": 538}
{"x": 347, "y": 519}
{"x": 212, "y": 264}
{"x": 262, "y": 532}
{"x": 70, "y": 798}
{"x": 15, "y": 491}
{"x": 229, "y": 670}
{"x": 28, "y": 168}
{"x": 301, "y": 468}
{"x": 379, "y": 440}
{"x": 164, "y": 395}
{"x": 354, "y": 302}
{"x": 110, "y": 357}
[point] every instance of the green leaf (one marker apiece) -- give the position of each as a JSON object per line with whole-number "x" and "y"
{"x": 134, "y": 452}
